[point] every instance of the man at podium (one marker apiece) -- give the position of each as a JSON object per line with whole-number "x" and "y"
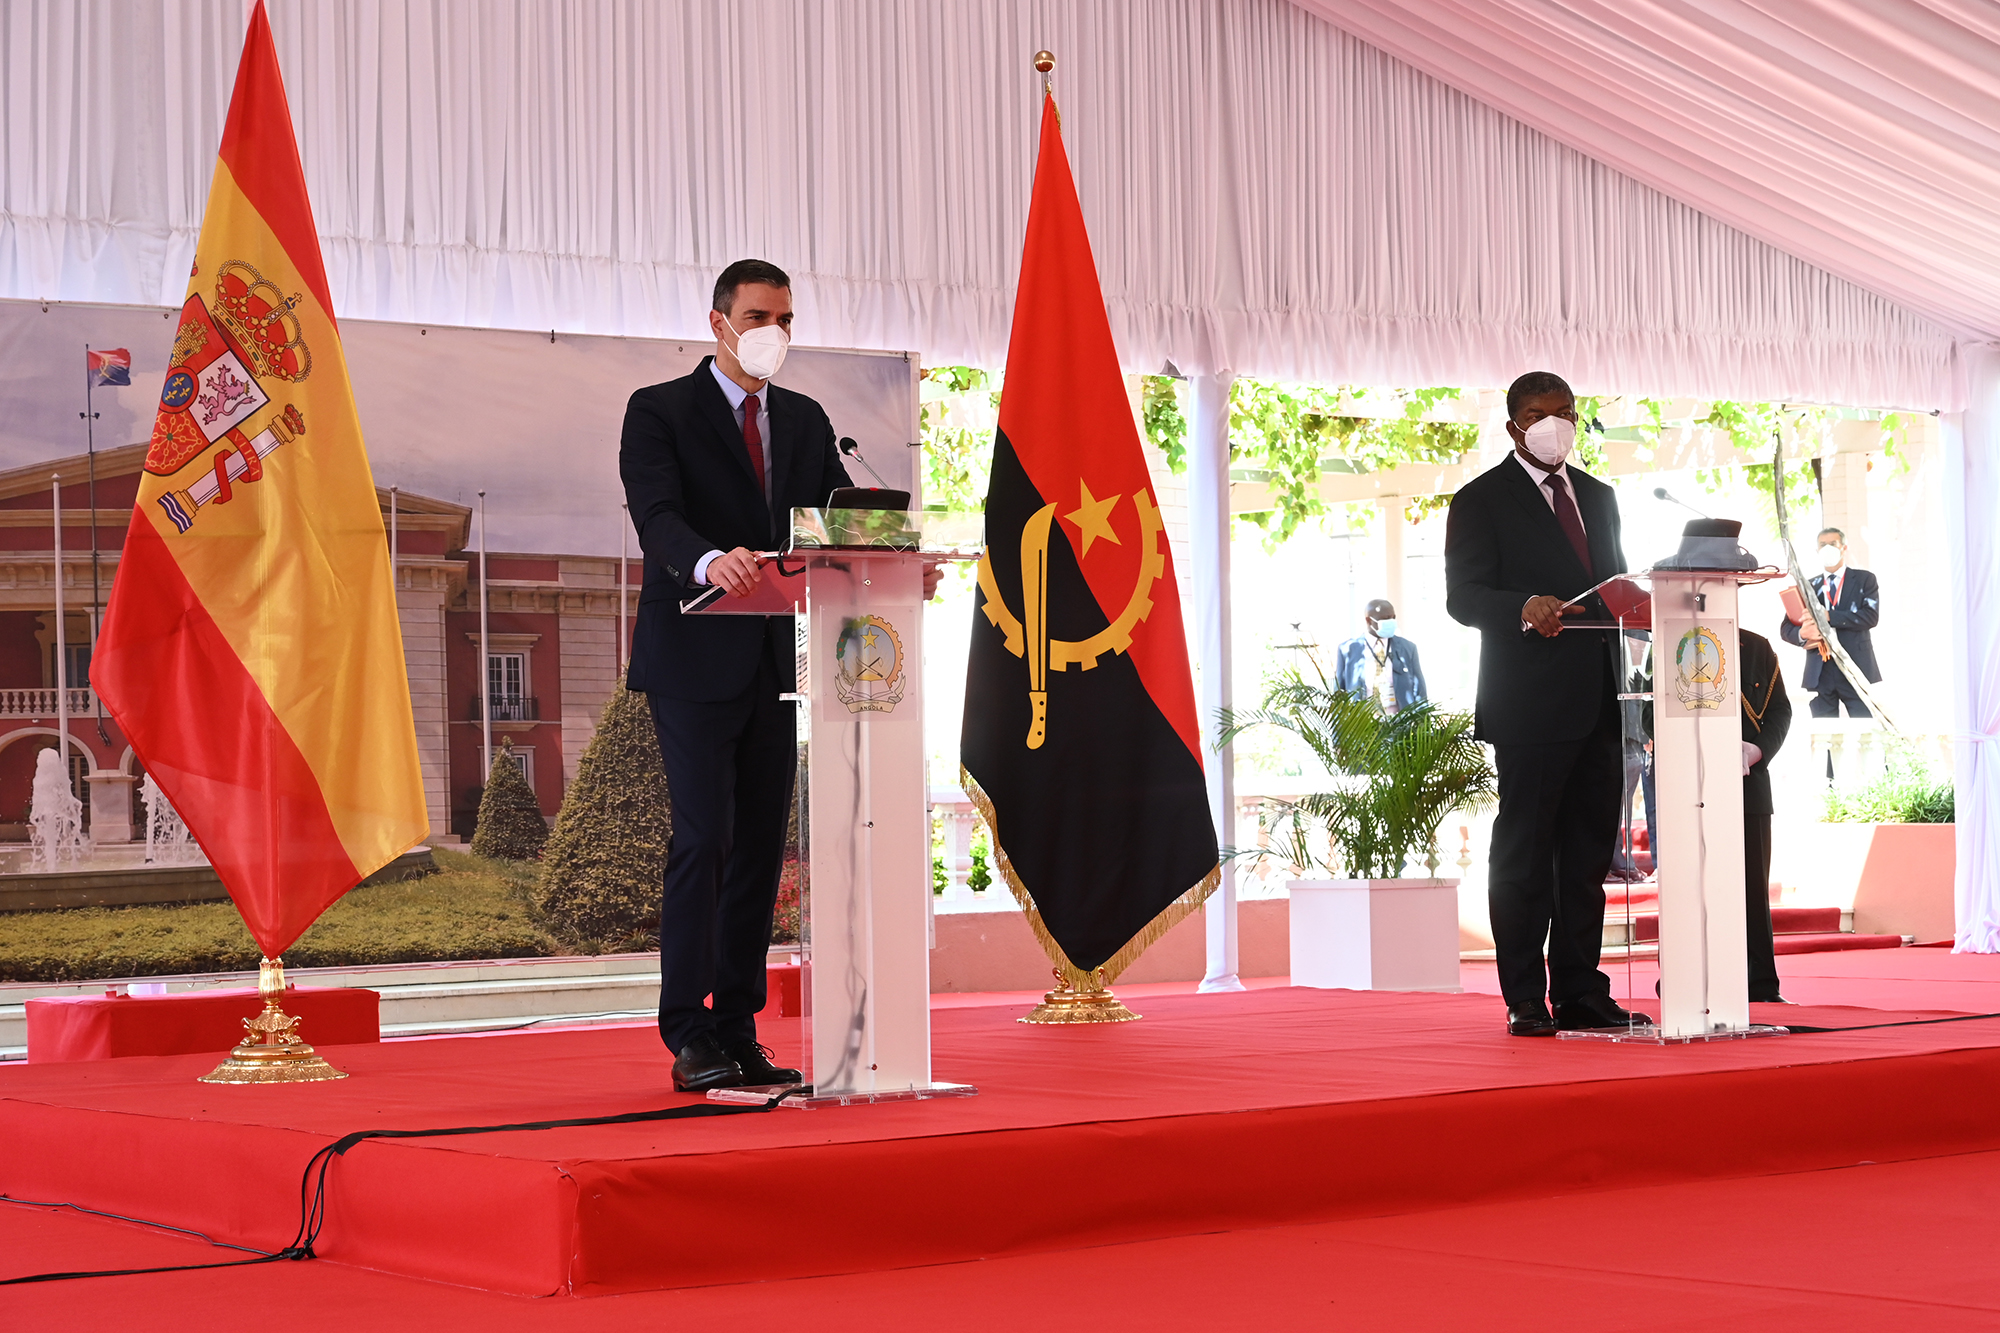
{"x": 713, "y": 465}
{"x": 1522, "y": 542}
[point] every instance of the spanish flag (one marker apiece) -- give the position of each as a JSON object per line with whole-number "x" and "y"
{"x": 1080, "y": 741}
{"x": 250, "y": 649}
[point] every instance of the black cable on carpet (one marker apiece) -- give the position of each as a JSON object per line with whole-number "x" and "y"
{"x": 1899, "y": 1023}
{"x": 312, "y": 1208}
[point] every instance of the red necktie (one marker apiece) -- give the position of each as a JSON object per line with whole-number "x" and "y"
{"x": 1572, "y": 522}
{"x": 753, "y": 439}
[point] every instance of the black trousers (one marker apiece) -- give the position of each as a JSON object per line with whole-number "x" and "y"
{"x": 729, "y": 767}
{"x": 1834, "y": 690}
{"x": 1758, "y": 946}
{"x": 1553, "y": 840}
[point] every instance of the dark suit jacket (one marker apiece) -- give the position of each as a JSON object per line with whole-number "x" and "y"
{"x": 1354, "y": 670}
{"x": 1502, "y": 545}
{"x": 691, "y": 489}
{"x": 1859, "y": 611}
{"x": 1767, "y": 714}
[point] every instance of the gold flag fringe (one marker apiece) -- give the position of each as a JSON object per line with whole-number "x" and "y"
{"x": 1169, "y": 916}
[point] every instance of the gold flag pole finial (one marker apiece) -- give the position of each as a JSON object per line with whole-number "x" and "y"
{"x": 1045, "y": 63}
{"x": 271, "y": 1051}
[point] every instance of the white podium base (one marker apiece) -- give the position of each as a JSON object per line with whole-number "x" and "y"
{"x": 1652, "y": 1036}
{"x": 807, "y": 1101}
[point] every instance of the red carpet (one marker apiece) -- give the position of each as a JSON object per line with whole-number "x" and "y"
{"x": 1217, "y": 1112}
{"x": 1778, "y": 1254}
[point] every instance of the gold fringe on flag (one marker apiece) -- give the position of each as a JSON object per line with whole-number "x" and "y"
{"x": 1080, "y": 996}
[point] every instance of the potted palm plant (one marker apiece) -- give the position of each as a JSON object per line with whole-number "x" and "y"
{"x": 1397, "y": 776}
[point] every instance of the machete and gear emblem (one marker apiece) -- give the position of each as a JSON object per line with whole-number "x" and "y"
{"x": 1028, "y": 634}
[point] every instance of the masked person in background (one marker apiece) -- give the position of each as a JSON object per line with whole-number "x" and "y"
{"x": 1853, "y": 602}
{"x": 1767, "y": 717}
{"x": 1522, "y": 540}
{"x": 1381, "y": 664}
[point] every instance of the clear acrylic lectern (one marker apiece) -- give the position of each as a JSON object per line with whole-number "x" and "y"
{"x": 1698, "y": 777}
{"x": 855, "y": 579}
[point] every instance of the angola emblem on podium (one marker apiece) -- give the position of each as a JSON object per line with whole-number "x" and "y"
{"x": 868, "y": 665}
{"x": 1701, "y": 669}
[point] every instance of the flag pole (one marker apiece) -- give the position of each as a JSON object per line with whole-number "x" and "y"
{"x": 62, "y": 675}
{"x": 485, "y": 658}
{"x": 96, "y": 586}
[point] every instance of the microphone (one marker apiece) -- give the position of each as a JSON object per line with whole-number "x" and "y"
{"x": 853, "y": 451}
{"x": 1660, "y": 493}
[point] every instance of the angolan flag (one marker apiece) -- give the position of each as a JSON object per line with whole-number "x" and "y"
{"x": 250, "y": 649}
{"x": 1080, "y": 741}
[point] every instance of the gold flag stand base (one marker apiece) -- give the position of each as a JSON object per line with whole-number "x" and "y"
{"x": 1066, "y": 1004}
{"x": 271, "y": 1051}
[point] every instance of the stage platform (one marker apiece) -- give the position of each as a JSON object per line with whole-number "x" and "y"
{"x": 1220, "y": 1112}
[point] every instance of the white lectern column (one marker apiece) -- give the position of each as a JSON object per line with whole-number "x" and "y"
{"x": 1698, "y": 777}
{"x": 865, "y": 937}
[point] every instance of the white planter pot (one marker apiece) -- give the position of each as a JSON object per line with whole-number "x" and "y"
{"x": 1375, "y": 934}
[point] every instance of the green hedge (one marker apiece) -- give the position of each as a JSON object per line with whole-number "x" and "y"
{"x": 473, "y": 908}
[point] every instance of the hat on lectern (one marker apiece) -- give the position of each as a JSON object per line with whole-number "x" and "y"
{"x": 1710, "y": 543}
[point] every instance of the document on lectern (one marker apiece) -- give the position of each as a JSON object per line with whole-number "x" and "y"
{"x": 778, "y": 593}
{"x": 1623, "y": 597}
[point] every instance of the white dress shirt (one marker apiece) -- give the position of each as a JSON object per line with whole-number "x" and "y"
{"x": 737, "y": 396}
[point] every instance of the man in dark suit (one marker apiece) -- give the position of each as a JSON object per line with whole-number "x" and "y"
{"x": 1521, "y": 541}
{"x": 1853, "y": 602}
{"x": 713, "y": 465}
{"x": 1767, "y": 717}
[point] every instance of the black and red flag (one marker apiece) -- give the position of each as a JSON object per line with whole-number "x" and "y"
{"x": 1080, "y": 744}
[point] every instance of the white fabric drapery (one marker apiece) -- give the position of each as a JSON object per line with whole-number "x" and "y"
{"x": 1972, "y": 498}
{"x": 1267, "y": 194}
{"x": 1862, "y": 135}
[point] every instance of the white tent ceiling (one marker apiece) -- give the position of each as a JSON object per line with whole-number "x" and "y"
{"x": 1860, "y": 135}
{"x": 1268, "y": 193}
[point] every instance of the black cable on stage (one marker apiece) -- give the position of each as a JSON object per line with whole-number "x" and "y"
{"x": 1900, "y": 1023}
{"x": 312, "y": 1209}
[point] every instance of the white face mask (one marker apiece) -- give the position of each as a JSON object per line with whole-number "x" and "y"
{"x": 1829, "y": 558}
{"x": 760, "y": 351}
{"x": 1550, "y": 440}
{"x": 1385, "y": 629}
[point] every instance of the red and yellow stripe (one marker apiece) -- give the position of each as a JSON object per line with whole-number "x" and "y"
{"x": 255, "y": 659}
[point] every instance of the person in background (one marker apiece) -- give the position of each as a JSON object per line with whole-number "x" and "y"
{"x": 1853, "y": 601}
{"x": 1381, "y": 664}
{"x": 1767, "y": 716}
{"x": 1638, "y": 715}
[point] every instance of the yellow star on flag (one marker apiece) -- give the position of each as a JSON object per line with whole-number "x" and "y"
{"x": 1093, "y": 519}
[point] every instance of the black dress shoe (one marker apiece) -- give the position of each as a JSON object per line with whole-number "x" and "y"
{"x": 1596, "y": 1011}
{"x": 1769, "y": 999}
{"x": 701, "y": 1065}
{"x": 1530, "y": 1020}
{"x": 754, "y": 1060}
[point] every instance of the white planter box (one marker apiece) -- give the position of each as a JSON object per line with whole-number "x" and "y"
{"x": 1375, "y": 934}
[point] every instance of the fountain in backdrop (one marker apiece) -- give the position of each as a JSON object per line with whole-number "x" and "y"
{"x": 55, "y": 816}
{"x": 168, "y": 842}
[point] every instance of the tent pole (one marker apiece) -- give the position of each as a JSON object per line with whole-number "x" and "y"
{"x": 1208, "y": 523}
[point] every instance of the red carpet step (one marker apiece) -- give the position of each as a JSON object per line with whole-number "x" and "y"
{"x": 1216, "y": 1112}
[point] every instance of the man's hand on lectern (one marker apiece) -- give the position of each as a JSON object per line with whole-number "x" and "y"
{"x": 932, "y": 573}
{"x": 735, "y": 570}
{"x": 1544, "y": 615}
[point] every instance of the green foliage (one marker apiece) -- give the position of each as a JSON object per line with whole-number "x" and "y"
{"x": 960, "y": 407}
{"x": 979, "y": 879}
{"x": 600, "y": 886}
{"x": 510, "y": 825}
{"x": 1400, "y": 774}
{"x": 1165, "y": 420}
{"x": 1906, "y": 792}
{"x": 473, "y": 908}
